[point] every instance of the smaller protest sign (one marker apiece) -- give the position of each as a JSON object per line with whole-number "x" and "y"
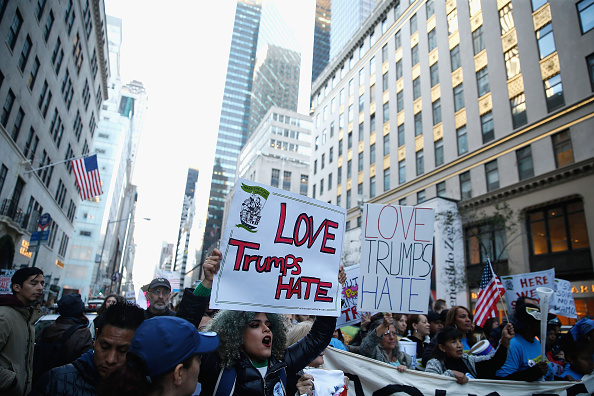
{"x": 525, "y": 285}
{"x": 396, "y": 259}
{"x": 281, "y": 253}
{"x": 172, "y": 277}
{"x": 349, "y": 314}
{"x": 562, "y": 303}
{"x": 130, "y": 296}
{"x": 5, "y": 277}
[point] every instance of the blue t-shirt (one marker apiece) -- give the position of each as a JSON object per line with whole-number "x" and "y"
{"x": 336, "y": 343}
{"x": 521, "y": 356}
{"x": 569, "y": 371}
{"x": 465, "y": 346}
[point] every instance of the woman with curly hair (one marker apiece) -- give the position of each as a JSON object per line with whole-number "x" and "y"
{"x": 382, "y": 344}
{"x": 253, "y": 358}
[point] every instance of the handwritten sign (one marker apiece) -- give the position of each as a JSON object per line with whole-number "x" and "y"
{"x": 562, "y": 303}
{"x": 281, "y": 253}
{"x": 349, "y": 314}
{"x": 5, "y": 281}
{"x": 396, "y": 258}
{"x": 525, "y": 285}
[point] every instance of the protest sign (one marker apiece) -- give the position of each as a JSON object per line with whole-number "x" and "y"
{"x": 281, "y": 253}
{"x": 396, "y": 258}
{"x": 5, "y": 277}
{"x": 525, "y": 285}
{"x": 172, "y": 277}
{"x": 349, "y": 314}
{"x": 562, "y": 303}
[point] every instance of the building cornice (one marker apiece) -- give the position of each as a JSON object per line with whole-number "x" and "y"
{"x": 101, "y": 41}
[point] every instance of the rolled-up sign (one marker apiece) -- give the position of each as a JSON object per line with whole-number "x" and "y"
{"x": 545, "y": 294}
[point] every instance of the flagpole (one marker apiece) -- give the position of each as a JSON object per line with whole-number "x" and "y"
{"x": 57, "y": 163}
{"x": 498, "y": 291}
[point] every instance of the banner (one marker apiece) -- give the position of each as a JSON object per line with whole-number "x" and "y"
{"x": 525, "y": 285}
{"x": 371, "y": 377}
{"x": 396, "y": 258}
{"x": 281, "y": 253}
{"x": 349, "y": 314}
{"x": 562, "y": 303}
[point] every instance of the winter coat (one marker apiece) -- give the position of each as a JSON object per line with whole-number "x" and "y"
{"x": 79, "y": 342}
{"x": 371, "y": 348}
{"x": 481, "y": 366}
{"x": 79, "y": 378}
{"x": 248, "y": 378}
{"x": 17, "y": 338}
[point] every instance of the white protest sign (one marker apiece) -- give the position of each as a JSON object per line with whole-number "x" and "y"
{"x": 562, "y": 303}
{"x": 281, "y": 253}
{"x": 172, "y": 277}
{"x": 5, "y": 281}
{"x": 396, "y": 258}
{"x": 525, "y": 285}
{"x": 349, "y": 314}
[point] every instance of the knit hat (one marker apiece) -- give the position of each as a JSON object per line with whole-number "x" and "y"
{"x": 433, "y": 316}
{"x": 71, "y": 305}
{"x": 162, "y": 342}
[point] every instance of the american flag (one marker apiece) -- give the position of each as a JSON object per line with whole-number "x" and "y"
{"x": 489, "y": 294}
{"x": 87, "y": 176}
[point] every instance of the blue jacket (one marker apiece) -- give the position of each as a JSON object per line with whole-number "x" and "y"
{"x": 78, "y": 378}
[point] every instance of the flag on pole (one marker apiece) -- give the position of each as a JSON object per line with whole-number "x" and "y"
{"x": 87, "y": 176}
{"x": 490, "y": 292}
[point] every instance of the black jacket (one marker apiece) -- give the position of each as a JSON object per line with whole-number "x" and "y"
{"x": 79, "y": 378}
{"x": 250, "y": 382}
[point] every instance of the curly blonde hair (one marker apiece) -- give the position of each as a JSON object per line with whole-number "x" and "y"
{"x": 230, "y": 325}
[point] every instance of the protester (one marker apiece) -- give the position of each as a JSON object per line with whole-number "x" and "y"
{"x": 366, "y": 320}
{"x": 400, "y": 325}
{"x": 337, "y": 340}
{"x": 17, "y": 331}
{"x": 418, "y": 327}
{"x": 159, "y": 294}
{"x": 439, "y": 305}
{"x": 83, "y": 376}
{"x": 524, "y": 361}
{"x": 253, "y": 356}
{"x": 382, "y": 344}
{"x": 66, "y": 339}
{"x": 171, "y": 369}
{"x": 449, "y": 358}
{"x": 579, "y": 357}
{"x": 108, "y": 302}
{"x": 435, "y": 323}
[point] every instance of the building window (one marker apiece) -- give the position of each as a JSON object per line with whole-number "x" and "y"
{"x": 438, "y": 152}
{"x": 26, "y": 51}
{"x": 440, "y": 189}
{"x": 351, "y": 87}
{"x": 462, "y": 140}
{"x": 430, "y": 7}
{"x": 350, "y": 140}
{"x": 401, "y": 172}
{"x": 434, "y": 73}
{"x": 492, "y": 175}
{"x": 402, "y": 201}
{"x": 432, "y": 39}
{"x": 400, "y": 101}
{"x": 372, "y": 123}
{"x": 7, "y": 108}
{"x": 339, "y": 148}
{"x": 315, "y": 169}
{"x": 487, "y": 129}
{"x": 420, "y": 161}
{"x": 525, "y": 165}
{"x": 455, "y": 57}
{"x": 321, "y": 187}
{"x": 413, "y": 24}
{"x": 419, "y": 123}
{"x": 482, "y": 80}
{"x": 331, "y": 155}
{"x": 400, "y": 135}
{"x": 536, "y": 4}
{"x": 420, "y": 197}
{"x": 330, "y": 182}
{"x": 563, "y": 148}
{"x": 348, "y": 199}
{"x": 372, "y": 187}
{"x": 275, "y": 178}
{"x": 436, "y": 111}
{"x": 398, "y": 39}
{"x": 512, "y": 62}
{"x": 506, "y": 19}
{"x": 339, "y": 200}
{"x": 339, "y": 175}
{"x": 18, "y": 123}
{"x": 478, "y": 44}
{"x": 360, "y": 189}
{"x": 554, "y": 92}
{"x": 386, "y": 179}
{"x": 3, "y": 173}
{"x": 372, "y": 154}
{"x": 313, "y": 192}
{"x": 465, "y": 186}
{"x": 518, "y": 107}
{"x": 546, "y": 41}
{"x": 384, "y": 25}
{"x": 360, "y": 162}
{"x": 349, "y": 168}
{"x": 399, "y": 70}
{"x": 590, "y": 63}
{"x": 417, "y": 88}
{"x": 586, "y": 12}
{"x": 459, "y": 97}
{"x": 33, "y": 74}
{"x": 384, "y": 54}
{"x": 48, "y": 26}
{"x": 386, "y": 144}
{"x": 15, "y": 28}
{"x": 350, "y": 113}
{"x": 453, "y": 21}
{"x": 385, "y": 83}
{"x": 361, "y": 131}
{"x": 386, "y": 112}
{"x": 332, "y": 129}
{"x": 414, "y": 55}
{"x": 482, "y": 241}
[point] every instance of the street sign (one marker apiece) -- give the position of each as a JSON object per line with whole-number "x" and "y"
{"x": 39, "y": 236}
{"x": 44, "y": 221}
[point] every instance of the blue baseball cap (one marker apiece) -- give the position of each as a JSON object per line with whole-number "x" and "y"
{"x": 163, "y": 342}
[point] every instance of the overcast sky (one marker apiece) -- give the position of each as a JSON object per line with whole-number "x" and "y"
{"x": 179, "y": 51}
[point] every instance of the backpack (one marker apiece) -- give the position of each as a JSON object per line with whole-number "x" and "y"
{"x": 48, "y": 355}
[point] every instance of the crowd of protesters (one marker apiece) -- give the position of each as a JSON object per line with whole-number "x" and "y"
{"x": 195, "y": 350}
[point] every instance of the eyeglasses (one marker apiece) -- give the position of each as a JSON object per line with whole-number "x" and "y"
{"x": 163, "y": 292}
{"x": 389, "y": 332}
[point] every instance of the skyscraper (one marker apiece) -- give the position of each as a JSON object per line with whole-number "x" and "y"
{"x": 263, "y": 71}
{"x": 185, "y": 226}
{"x": 347, "y": 17}
{"x": 321, "y": 44}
